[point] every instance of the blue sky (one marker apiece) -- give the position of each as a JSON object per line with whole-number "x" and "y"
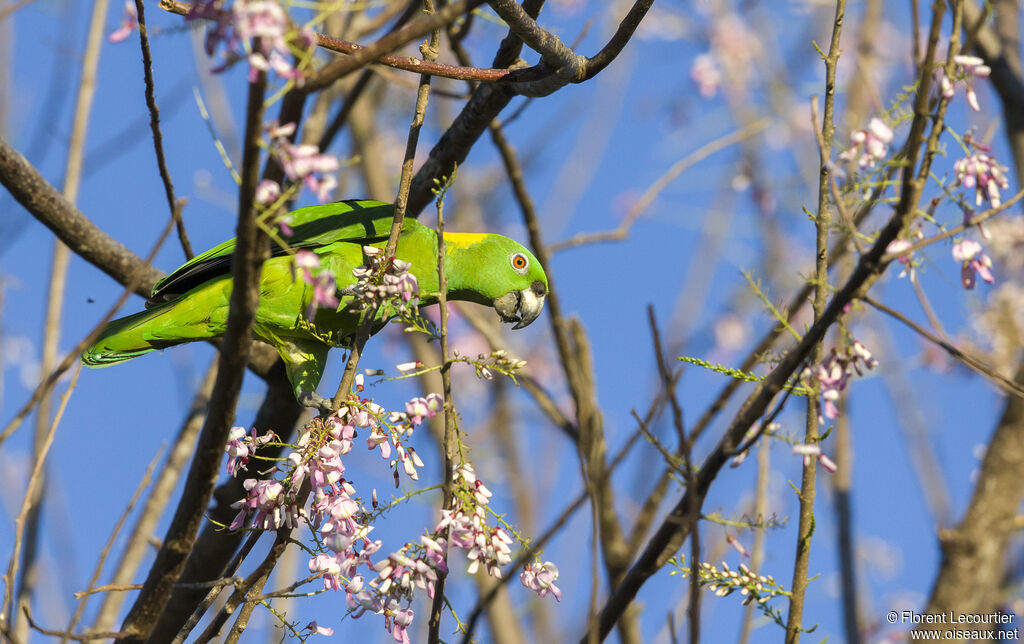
{"x": 590, "y": 149}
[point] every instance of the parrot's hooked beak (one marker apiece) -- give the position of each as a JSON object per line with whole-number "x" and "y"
{"x": 522, "y": 307}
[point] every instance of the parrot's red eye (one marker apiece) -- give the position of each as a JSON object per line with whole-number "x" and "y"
{"x": 519, "y": 262}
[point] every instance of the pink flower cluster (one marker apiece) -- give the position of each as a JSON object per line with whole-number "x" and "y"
{"x": 835, "y": 372}
{"x": 325, "y": 289}
{"x": 466, "y": 525}
{"x": 814, "y": 450}
{"x": 967, "y": 67}
{"x": 269, "y": 504}
{"x": 973, "y": 263}
{"x": 869, "y": 145}
{"x": 300, "y": 163}
{"x": 250, "y": 22}
{"x": 242, "y": 445}
{"x": 397, "y": 285}
{"x": 346, "y": 561}
{"x": 984, "y": 174}
{"x": 540, "y": 578}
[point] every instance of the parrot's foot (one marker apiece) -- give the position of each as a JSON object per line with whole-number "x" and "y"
{"x": 316, "y": 401}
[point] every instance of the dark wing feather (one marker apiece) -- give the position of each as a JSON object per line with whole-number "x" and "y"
{"x": 312, "y": 227}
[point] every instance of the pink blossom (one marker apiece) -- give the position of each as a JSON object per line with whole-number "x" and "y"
{"x": 984, "y": 174}
{"x": 272, "y": 508}
{"x": 328, "y": 566}
{"x": 807, "y": 451}
{"x": 240, "y": 446}
{"x": 966, "y": 68}
{"x": 706, "y": 74}
{"x": 974, "y": 263}
{"x": 834, "y": 373}
{"x": 260, "y": 23}
{"x": 316, "y": 629}
{"x": 129, "y": 22}
{"x": 267, "y": 192}
{"x": 540, "y": 578}
{"x": 737, "y": 546}
{"x": 419, "y": 408}
{"x": 869, "y": 145}
{"x": 402, "y": 619}
{"x": 303, "y": 162}
{"x": 899, "y": 247}
{"x": 827, "y": 463}
{"x": 324, "y": 293}
{"x": 306, "y": 261}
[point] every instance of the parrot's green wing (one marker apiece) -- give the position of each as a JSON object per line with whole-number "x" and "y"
{"x": 364, "y": 221}
{"x": 192, "y": 303}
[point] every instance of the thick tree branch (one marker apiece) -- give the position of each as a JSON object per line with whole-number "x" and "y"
{"x": 974, "y": 552}
{"x": 87, "y": 240}
{"x": 252, "y": 247}
{"x": 82, "y": 236}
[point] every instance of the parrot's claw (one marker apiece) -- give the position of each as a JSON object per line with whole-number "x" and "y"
{"x": 316, "y": 401}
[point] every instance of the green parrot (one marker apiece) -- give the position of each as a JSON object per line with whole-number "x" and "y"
{"x": 192, "y": 302}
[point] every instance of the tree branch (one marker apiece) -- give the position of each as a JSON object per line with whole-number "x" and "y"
{"x": 252, "y": 247}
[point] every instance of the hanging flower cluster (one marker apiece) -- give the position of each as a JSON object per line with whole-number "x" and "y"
{"x": 973, "y": 263}
{"x": 966, "y": 68}
{"x": 262, "y": 24}
{"x": 869, "y": 145}
{"x": 395, "y": 284}
{"x": 835, "y": 372}
{"x": 302, "y": 162}
{"x": 348, "y": 560}
{"x": 983, "y": 173}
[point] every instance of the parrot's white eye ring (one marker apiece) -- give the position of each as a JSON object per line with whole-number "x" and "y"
{"x": 519, "y": 263}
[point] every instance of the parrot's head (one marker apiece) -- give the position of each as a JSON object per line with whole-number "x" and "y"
{"x": 501, "y": 272}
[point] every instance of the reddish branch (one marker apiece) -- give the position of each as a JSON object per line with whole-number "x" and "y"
{"x": 560, "y": 64}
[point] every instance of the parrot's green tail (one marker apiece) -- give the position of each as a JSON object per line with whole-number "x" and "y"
{"x": 157, "y": 328}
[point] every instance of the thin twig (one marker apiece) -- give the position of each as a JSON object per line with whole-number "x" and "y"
{"x": 254, "y": 583}
{"x": 158, "y": 137}
{"x": 826, "y": 170}
{"x": 451, "y": 439}
{"x": 660, "y": 184}
{"x": 98, "y": 568}
{"x": 805, "y": 528}
{"x": 27, "y": 500}
{"x": 757, "y": 550}
{"x": 85, "y": 637}
{"x": 668, "y": 380}
{"x": 1004, "y": 383}
{"x": 137, "y": 545}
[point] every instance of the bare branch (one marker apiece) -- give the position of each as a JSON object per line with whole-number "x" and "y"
{"x": 158, "y": 137}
